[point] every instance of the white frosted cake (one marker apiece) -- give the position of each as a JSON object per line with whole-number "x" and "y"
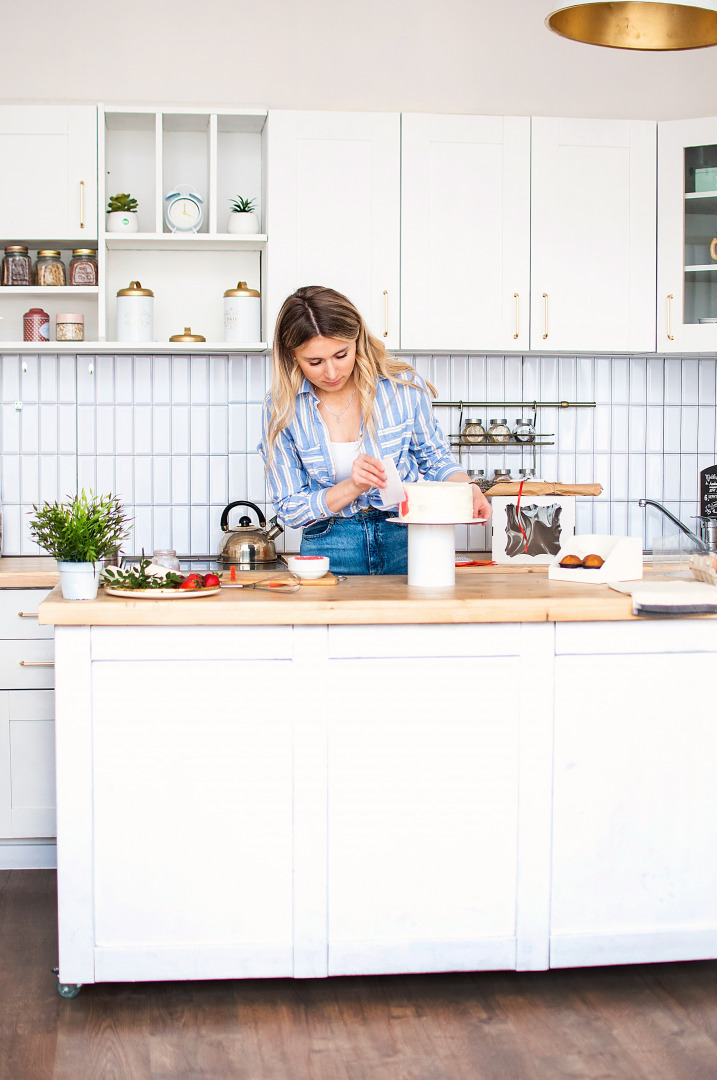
{"x": 434, "y": 502}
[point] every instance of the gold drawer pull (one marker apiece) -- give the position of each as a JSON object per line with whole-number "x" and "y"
{"x": 37, "y": 663}
{"x": 28, "y": 614}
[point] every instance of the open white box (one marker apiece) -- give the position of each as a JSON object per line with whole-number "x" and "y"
{"x": 622, "y": 555}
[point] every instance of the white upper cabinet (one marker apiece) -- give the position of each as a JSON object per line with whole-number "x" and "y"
{"x": 593, "y": 236}
{"x": 333, "y": 211}
{"x": 465, "y": 232}
{"x": 48, "y": 185}
{"x": 687, "y": 232}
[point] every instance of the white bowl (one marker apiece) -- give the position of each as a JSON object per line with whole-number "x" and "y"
{"x": 308, "y": 567}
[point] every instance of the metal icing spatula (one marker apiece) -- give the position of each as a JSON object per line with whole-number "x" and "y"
{"x": 393, "y": 493}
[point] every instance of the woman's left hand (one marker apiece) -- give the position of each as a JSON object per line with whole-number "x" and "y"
{"x": 481, "y": 507}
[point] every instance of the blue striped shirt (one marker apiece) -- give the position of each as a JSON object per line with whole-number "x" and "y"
{"x": 302, "y": 467}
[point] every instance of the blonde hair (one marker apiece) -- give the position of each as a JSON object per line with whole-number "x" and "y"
{"x": 315, "y": 311}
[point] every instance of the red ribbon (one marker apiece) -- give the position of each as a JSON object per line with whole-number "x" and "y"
{"x": 517, "y": 515}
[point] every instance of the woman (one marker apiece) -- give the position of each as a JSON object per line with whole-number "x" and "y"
{"x": 338, "y": 405}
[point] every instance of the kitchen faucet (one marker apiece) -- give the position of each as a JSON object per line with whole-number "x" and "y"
{"x": 701, "y": 545}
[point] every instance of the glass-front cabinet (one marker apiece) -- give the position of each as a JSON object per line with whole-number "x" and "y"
{"x": 687, "y": 236}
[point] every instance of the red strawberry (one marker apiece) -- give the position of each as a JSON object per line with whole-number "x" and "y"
{"x": 211, "y": 581}
{"x": 193, "y": 581}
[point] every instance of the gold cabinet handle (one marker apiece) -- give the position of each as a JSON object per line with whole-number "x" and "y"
{"x": 517, "y": 315}
{"x": 37, "y": 663}
{"x": 82, "y": 204}
{"x": 713, "y": 248}
{"x": 385, "y": 312}
{"x": 545, "y": 314}
{"x": 670, "y": 337}
{"x": 28, "y": 614}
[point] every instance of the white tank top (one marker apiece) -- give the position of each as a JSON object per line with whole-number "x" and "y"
{"x": 344, "y": 453}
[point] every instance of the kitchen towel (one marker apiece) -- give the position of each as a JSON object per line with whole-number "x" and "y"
{"x": 669, "y": 597}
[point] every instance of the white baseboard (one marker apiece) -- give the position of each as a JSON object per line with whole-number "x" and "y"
{"x": 28, "y": 854}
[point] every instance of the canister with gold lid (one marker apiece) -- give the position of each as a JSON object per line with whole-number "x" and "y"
{"x": 135, "y": 313}
{"x": 242, "y": 314}
{"x": 187, "y": 336}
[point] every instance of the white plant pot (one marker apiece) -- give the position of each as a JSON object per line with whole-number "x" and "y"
{"x": 243, "y": 223}
{"x": 79, "y": 580}
{"x": 121, "y": 221}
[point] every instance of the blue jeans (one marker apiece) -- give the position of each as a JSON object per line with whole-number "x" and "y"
{"x": 363, "y": 544}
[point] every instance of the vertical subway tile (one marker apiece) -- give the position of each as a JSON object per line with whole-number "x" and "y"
{"x": 256, "y": 377}
{"x": 180, "y": 429}
{"x": 567, "y": 378}
{"x": 459, "y": 378}
{"x": 620, "y": 382}
{"x": 67, "y": 472}
{"x": 236, "y": 434}
{"x": 199, "y": 429}
{"x": 584, "y": 378}
{"x": 549, "y": 389}
{"x": 690, "y": 381}
{"x": 495, "y": 382}
{"x": 12, "y": 532}
{"x": 199, "y": 478}
{"x": 180, "y": 380}
{"x": 603, "y": 380}
{"x": 199, "y": 380}
{"x": 655, "y": 380}
{"x": 566, "y": 468}
{"x": 10, "y": 481}
{"x": 66, "y": 378}
{"x": 513, "y": 378}
{"x": 67, "y": 429}
{"x": 671, "y": 482}
{"x": 237, "y": 378}
{"x": 124, "y": 429}
{"x": 618, "y": 476}
{"x": 29, "y": 433}
{"x": 441, "y": 377}
{"x": 162, "y": 528}
{"x": 87, "y": 473}
{"x": 161, "y": 380}
{"x": 124, "y": 391}
{"x": 477, "y": 378}
{"x": 142, "y": 380}
{"x": 707, "y": 374}
{"x": 706, "y": 430}
{"x": 636, "y": 428}
{"x": 601, "y": 518}
{"x": 86, "y": 440}
{"x": 105, "y": 475}
{"x": 237, "y": 476}
{"x": 180, "y": 479}
{"x": 583, "y": 516}
{"x": 584, "y": 470}
{"x": 218, "y": 435}
{"x": 48, "y": 386}
{"x": 654, "y": 477}
{"x": 635, "y": 520}
{"x": 688, "y": 430}
{"x": 143, "y": 489}
{"x": 48, "y": 477}
{"x": 218, "y": 380}
{"x": 180, "y": 530}
{"x": 602, "y": 466}
{"x": 654, "y": 434}
{"x": 48, "y": 435}
{"x": 162, "y": 429}
{"x": 124, "y": 479}
{"x": 142, "y": 420}
{"x": 162, "y": 479}
{"x": 10, "y": 378}
{"x": 29, "y": 378}
{"x": 218, "y": 480}
{"x": 142, "y": 529}
{"x": 618, "y": 519}
{"x": 199, "y": 529}
{"x": 10, "y": 429}
{"x": 636, "y": 476}
{"x": 104, "y": 418}
{"x": 689, "y": 478}
{"x": 603, "y": 428}
{"x": 672, "y": 421}
{"x": 673, "y": 380}
{"x": 637, "y": 376}
{"x": 256, "y": 481}
{"x": 531, "y": 378}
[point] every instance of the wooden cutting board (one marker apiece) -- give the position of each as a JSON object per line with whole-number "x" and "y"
{"x": 250, "y": 576}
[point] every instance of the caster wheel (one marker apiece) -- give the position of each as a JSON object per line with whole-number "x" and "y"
{"x": 68, "y": 990}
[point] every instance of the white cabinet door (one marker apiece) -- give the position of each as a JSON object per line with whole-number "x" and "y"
{"x": 593, "y": 246}
{"x": 635, "y": 811}
{"x": 686, "y": 226}
{"x": 465, "y": 232}
{"x": 333, "y": 211}
{"x": 423, "y": 817}
{"x": 48, "y": 183}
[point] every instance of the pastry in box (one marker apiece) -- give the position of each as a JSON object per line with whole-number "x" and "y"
{"x": 598, "y": 559}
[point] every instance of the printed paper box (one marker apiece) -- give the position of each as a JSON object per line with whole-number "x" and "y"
{"x": 547, "y": 521}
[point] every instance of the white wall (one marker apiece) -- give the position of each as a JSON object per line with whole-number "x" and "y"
{"x": 470, "y": 56}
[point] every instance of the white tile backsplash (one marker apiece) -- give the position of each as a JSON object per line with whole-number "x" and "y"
{"x": 175, "y": 436}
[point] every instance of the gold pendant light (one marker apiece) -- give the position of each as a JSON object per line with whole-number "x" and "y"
{"x": 632, "y": 24}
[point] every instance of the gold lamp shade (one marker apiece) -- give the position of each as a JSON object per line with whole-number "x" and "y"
{"x": 633, "y": 24}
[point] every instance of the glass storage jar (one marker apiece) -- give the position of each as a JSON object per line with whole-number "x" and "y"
{"x": 524, "y": 430}
{"x": 166, "y": 557}
{"x": 49, "y": 269}
{"x": 478, "y": 476}
{"x": 16, "y": 265}
{"x": 502, "y": 476}
{"x": 70, "y": 326}
{"x": 83, "y": 267}
{"x": 473, "y": 431}
{"x": 499, "y": 431}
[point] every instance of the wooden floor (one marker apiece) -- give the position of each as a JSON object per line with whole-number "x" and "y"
{"x": 652, "y": 1022}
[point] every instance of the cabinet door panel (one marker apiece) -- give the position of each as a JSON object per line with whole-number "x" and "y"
{"x": 18, "y": 613}
{"x": 26, "y": 665}
{"x": 53, "y": 149}
{"x": 333, "y": 211}
{"x": 593, "y": 245}
{"x": 635, "y": 812}
{"x": 422, "y": 809}
{"x": 465, "y": 232}
{"x": 27, "y": 763}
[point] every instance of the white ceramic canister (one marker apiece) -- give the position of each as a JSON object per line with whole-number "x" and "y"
{"x": 242, "y": 314}
{"x": 135, "y": 313}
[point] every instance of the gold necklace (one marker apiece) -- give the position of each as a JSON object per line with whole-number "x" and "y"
{"x": 338, "y": 415}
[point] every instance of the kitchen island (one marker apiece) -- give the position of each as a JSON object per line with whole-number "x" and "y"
{"x": 370, "y": 778}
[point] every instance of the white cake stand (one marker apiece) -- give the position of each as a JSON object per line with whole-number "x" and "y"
{"x": 432, "y": 551}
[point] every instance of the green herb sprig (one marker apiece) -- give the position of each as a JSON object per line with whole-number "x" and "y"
{"x": 138, "y": 578}
{"x": 240, "y": 205}
{"x": 88, "y": 528}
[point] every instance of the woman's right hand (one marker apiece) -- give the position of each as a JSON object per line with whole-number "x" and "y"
{"x": 368, "y": 472}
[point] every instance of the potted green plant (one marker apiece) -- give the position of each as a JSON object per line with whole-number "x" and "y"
{"x": 242, "y": 215}
{"x": 122, "y": 213}
{"x": 80, "y": 533}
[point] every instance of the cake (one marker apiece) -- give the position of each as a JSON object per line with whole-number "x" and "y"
{"x": 571, "y": 561}
{"x": 434, "y": 502}
{"x": 593, "y": 562}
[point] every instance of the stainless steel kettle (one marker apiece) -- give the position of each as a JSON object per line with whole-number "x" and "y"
{"x": 248, "y": 545}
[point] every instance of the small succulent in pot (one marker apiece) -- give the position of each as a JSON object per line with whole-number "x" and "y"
{"x": 240, "y": 205}
{"x": 122, "y": 203}
{"x": 86, "y": 528}
{"x": 122, "y": 213}
{"x": 242, "y": 217}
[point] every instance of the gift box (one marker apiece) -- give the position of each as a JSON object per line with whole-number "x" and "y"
{"x": 546, "y": 521}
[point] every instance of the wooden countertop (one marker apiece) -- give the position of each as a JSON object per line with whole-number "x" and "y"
{"x": 480, "y": 595}
{"x": 28, "y": 572}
